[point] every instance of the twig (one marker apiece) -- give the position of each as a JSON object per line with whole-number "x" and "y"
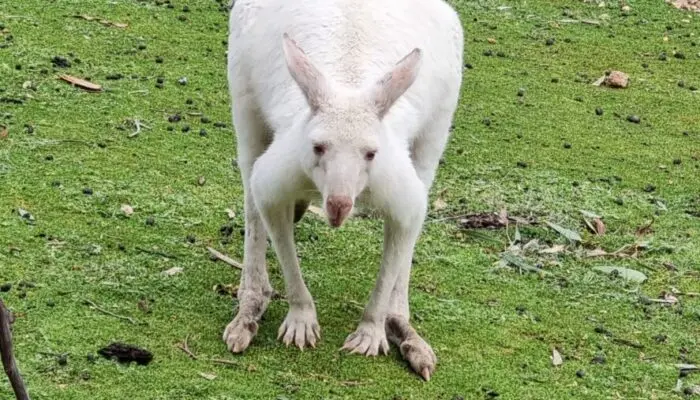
{"x": 155, "y": 252}
{"x": 222, "y": 361}
{"x": 102, "y": 310}
{"x": 138, "y": 125}
{"x": 228, "y": 260}
{"x": 8, "y": 359}
{"x": 184, "y": 347}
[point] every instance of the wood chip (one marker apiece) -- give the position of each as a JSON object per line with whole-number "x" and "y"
{"x": 557, "y": 360}
{"x": 127, "y": 210}
{"x": 228, "y": 260}
{"x": 81, "y": 83}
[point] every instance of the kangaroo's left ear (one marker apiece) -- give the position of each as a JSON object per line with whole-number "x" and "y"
{"x": 395, "y": 83}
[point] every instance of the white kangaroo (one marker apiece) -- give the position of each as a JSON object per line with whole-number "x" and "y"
{"x": 361, "y": 114}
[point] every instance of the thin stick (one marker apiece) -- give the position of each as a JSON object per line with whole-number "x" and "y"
{"x": 221, "y": 361}
{"x": 228, "y": 260}
{"x": 184, "y": 347}
{"x": 102, "y": 310}
{"x": 8, "y": 359}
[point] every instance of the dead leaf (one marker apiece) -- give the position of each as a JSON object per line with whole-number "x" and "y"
{"x": 127, "y": 210}
{"x": 201, "y": 180}
{"x": 598, "y": 252}
{"x": 626, "y": 273}
{"x": 81, "y": 83}
{"x": 599, "y": 227}
{"x": 102, "y": 21}
{"x": 567, "y": 233}
{"x": 231, "y": 214}
{"x": 3, "y": 132}
{"x": 226, "y": 290}
{"x": 557, "y": 360}
{"x": 556, "y": 249}
{"x": 645, "y": 229}
{"x": 482, "y": 220}
{"x": 439, "y": 204}
{"x": 491, "y": 40}
{"x": 172, "y": 271}
{"x": 503, "y": 216}
{"x": 209, "y": 377}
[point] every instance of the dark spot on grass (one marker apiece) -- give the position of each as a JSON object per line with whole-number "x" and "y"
{"x": 87, "y": 191}
{"x": 521, "y": 92}
{"x": 114, "y": 77}
{"x": 185, "y": 128}
{"x": 203, "y": 132}
{"x": 60, "y": 62}
{"x": 5, "y": 287}
{"x": 681, "y": 84}
{"x": 62, "y": 359}
{"x": 486, "y": 121}
{"x": 468, "y": 66}
{"x": 567, "y": 145}
{"x": 501, "y": 54}
{"x": 150, "y": 221}
{"x": 599, "y": 111}
{"x": 521, "y": 164}
{"x": 175, "y": 118}
{"x": 633, "y": 119}
{"x": 126, "y": 353}
{"x": 488, "y": 53}
{"x": 649, "y": 188}
{"x": 580, "y": 373}
{"x": 549, "y": 42}
{"x": 663, "y": 56}
{"x": 555, "y": 80}
{"x": 159, "y": 60}
{"x": 220, "y": 124}
{"x": 48, "y": 157}
{"x": 677, "y": 161}
{"x": 182, "y": 18}
{"x": 679, "y": 55}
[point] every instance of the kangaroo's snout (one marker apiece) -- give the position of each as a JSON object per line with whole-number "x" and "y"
{"x": 338, "y": 209}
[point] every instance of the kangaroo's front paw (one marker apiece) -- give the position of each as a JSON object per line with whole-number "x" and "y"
{"x": 419, "y": 355}
{"x": 300, "y": 327}
{"x": 239, "y": 333}
{"x": 369, "y": 339}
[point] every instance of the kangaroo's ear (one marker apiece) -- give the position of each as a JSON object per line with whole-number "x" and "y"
{"x": 311, "y": 81}
{"x": 388, "y": 89}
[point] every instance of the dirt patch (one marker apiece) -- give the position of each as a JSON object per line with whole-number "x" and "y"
{"x": 688, "y": 5}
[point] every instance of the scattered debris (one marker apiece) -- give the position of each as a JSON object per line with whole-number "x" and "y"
{"x": 3, "y": 132}
{"x": 567, "y": 233}
{"x": 172, "y": 271}
{"x": 511, "y": 259}
{"x": 629, "y": 343}
{"x": 556, "y": 358}
{"x": 201, "y": 180}
{"x": 102, "y": 21}
{"x": 81, "y": 83}
{"x": 209, "y": 377}
{"x": 228, "y": 260}
{"x": 186, "y": 348}
{"x": 230, "y": 213}
{"x": 127, "y": 210}
{"x": 229, "y": 290}
{"x": 126, "y": 353}
{"x": 645, "y": 229}
{"x": 625, "y": 273}
{"x": 556, "y": 249}
{"x": 686, "y": 5}
{"x": 102, "y": 310}
{"x": 486, "y": 220}
{"x": 26, "y": 215}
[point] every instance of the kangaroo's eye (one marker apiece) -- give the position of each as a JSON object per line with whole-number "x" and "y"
{"x": 369, "y": 156}
{"x": 319, "y": 149}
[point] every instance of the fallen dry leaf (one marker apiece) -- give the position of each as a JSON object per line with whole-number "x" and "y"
{"x": 439, "y": 204}
{"x": 687, "y": 5}
{"x": 556, "y": 358}
{"x": 556, "y": 249}
{"x": 3, "y": 132}
{"x": 172, "y": 271}
{"x": 127, "y": 210}
{"x": 491, "y": 40}
{"x": 596, "y": 253}
{"x": 599, "y": 227}
{"x": 645, "y": 229}
{"x": 81, "y": 83}
{"x": 104, "y": 22}
{"x": 209, "y": 377}
{"x": 231, "y": 214}
{"x": 226, "y": 289}
{"x": 482, "y": 220}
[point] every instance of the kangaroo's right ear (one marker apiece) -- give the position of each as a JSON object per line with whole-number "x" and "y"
{"x": 311, "y": 81}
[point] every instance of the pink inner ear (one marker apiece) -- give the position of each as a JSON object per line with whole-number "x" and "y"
{"x": 309, "y": 79}
{"x": 395, "y": 83}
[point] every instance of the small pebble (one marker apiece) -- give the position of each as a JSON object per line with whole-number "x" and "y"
{"x": 160, "y": 80}
{"x": 121, "y": 247}
{"x": 91, "y": 357}
{"x": 87, "y": 191}
{"x": 599, "y": 111}
{"x": 205, "y": 120}
{"x": 599, "y": 359}
{"x": 693, "y": 88}
{"x": 633, "y": 118}
{"x": 567, "y": 145}
{"x": 182, "y": 81}
{"x": 185, "y": 9}
{"x": 521, "y": 92}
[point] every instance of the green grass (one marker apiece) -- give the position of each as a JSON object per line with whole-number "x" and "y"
{"x": 492, "y": 328}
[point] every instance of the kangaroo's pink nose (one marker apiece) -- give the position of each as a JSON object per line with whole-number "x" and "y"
{"x": 338, "y": 208}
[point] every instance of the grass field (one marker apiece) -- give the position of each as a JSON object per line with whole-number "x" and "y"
{"x": 526, "y": 138}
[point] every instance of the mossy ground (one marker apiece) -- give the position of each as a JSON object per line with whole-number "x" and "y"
{"x": 493, "y": 329}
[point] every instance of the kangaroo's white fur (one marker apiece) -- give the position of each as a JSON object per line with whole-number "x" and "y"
{"x": 318, "y": 88}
